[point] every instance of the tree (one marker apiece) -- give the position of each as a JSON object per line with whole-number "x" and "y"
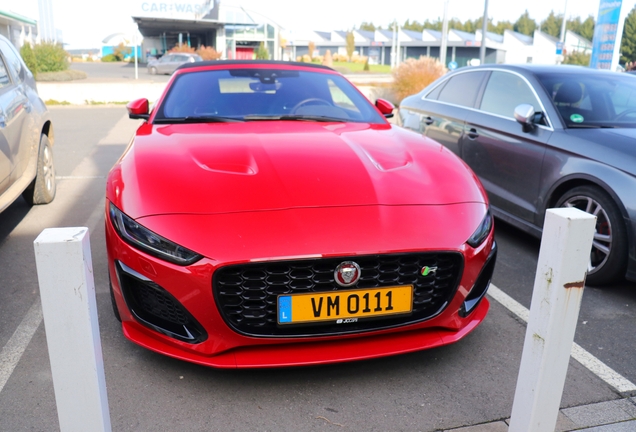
{"x": 327, "y": 60}
{"x": 351, "y": 45}
{"x": 261, "y": 52}
{"x": 525, "y": 24}
{"x": 628, "y": 45}
{"x": 587, "y": 28}
{"x": 312, "y": 49}
{"x": 552, "y": 24}
{"x": 368, "y": 26}
{"x": 502, "y": 26}
{"x": 121, "y": 51}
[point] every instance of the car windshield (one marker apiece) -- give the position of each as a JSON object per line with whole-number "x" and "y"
{"x": 264, "y": 94}
{"x": 593, "y": 100}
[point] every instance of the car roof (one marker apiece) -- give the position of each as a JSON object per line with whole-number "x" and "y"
{"x": 540, "y": 69}
{"x": 264, "y": 63}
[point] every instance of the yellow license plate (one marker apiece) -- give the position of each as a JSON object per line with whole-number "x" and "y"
{"x": 344, "y": 306}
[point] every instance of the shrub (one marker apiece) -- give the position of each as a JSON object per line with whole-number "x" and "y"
{"x": 208, "y": 53}
{"x": 366, "y": 65}
{"x": 184, "y": 48}
{"x": 340, "y": 58}
{"x": 413, "y": 75}
{"x": 50, "y": 57}
{"x": 577, "y": 58}
{"x": 109, "y": 58}
{"x": 29, "y": 58}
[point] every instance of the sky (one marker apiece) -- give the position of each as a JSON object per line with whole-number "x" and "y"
{"x": 85, "y": 24}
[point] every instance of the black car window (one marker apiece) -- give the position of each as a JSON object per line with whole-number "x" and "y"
{"x": 504, "y": 92}
{"x": 265, "y": 94}
{"x": 436, "y": 91}
{"x": 588, "y": 99}
{"x": 462, "y": 89}
{"x": 13, "y": 59}
{"x": 4, "y": 75}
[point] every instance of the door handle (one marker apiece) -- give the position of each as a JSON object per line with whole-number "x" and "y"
{"x": 427, "y": 120}
{"x": 472, "y": 133}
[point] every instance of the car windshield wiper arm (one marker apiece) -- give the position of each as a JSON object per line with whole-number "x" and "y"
{"x": 590, "y": 126}
{"x": 294, "y": 117}
{"x": 200, "y": 119}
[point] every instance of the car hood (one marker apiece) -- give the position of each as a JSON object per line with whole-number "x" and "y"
{"x": 259, "y": 166}
{"x": 615, "y": 147}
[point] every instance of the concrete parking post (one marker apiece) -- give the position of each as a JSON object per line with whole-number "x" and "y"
{"x": 556, "y": 300}
{"x": 67, "y": 291}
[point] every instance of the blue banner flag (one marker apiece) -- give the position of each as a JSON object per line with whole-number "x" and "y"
{"x": 607, "y": 35}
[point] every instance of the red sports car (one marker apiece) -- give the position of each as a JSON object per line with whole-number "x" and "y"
{"x": 266, "y": 214}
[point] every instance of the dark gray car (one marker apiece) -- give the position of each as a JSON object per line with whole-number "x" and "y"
{"x": 540, "y": 137}
{"x": 26, "y": 134}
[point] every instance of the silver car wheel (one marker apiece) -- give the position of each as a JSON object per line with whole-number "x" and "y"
{"x": 602, "y": 242}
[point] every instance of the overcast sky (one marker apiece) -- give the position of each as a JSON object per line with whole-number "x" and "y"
{"x": 84, "y": 24}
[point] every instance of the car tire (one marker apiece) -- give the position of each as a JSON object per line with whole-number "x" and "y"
{"x": 112, "y": 300}
{"x": 42, "y": 188}
{"x": 608, "y": 258}
{"x": 153, "y": 71}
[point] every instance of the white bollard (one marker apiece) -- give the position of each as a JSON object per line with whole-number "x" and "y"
{"x": 556, "y": 300}
{"x": 67, "y": 290}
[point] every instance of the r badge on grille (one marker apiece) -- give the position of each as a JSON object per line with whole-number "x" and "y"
{"x": 347, "y": 273}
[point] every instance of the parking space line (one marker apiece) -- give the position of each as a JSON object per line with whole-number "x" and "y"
{"x": 13, "y": 350}
{"x": 593, "y": 364}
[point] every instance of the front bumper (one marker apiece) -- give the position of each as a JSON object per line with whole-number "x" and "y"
{"x": 217, "y": 344}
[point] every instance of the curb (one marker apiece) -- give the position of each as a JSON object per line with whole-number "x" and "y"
{"x": 613, "y": 416}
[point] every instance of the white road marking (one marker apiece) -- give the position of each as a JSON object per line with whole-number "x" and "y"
{"x": 13, "y": 350}
{"x": 593, "y": 364}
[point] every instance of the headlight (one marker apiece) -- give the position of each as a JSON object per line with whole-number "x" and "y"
{"x": 482, "y": 231}
{"x": 141, "y": 237}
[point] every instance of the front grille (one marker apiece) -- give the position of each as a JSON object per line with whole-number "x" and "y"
{"x": 246, "y": 294}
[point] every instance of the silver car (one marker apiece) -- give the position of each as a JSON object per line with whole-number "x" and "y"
{"x": 170, "y": 62}
{"x": 26, "y": 134}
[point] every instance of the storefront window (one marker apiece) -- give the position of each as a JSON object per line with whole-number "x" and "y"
{"x": 271, "y": 33}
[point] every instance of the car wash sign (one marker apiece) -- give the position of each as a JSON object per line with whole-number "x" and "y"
{"x": 607, "y": 35}
{"x": 180, "y": 9}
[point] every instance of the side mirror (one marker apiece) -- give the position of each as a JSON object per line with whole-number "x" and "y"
{"x": 138, "y": 109}
{"x": 385, "y": 107}
{"x": 525, "y": 114}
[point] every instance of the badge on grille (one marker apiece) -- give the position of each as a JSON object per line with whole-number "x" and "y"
{"x": 347, "y": 273}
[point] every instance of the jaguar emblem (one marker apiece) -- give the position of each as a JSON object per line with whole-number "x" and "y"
{"x": 347, "y": 273}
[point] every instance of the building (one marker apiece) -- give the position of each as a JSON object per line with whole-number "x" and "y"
{"x": 383, "y": 46}
{"x": 237, "y": 33}
{"x": 230, "y": 29}
{"x": 17, "y": 28}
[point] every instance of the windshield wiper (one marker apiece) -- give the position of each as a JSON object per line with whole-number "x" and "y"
{"x": 590, "y": 126}
{"x": 200, "y": 119}
{"x": 294, "y": 117}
